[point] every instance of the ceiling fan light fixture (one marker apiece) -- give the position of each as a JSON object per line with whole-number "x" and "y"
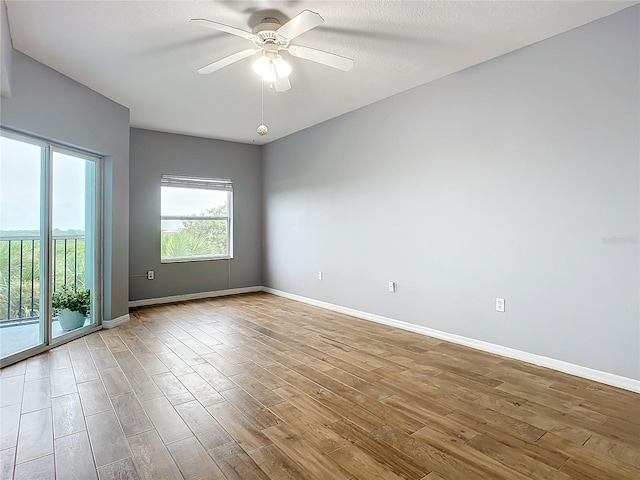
{"x": 271, "y": 69}
{"x": 261, "y": 65}
{"x": 269, "y": 75}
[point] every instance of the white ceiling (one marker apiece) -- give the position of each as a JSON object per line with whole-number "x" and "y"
{"x": 144, "y": 54}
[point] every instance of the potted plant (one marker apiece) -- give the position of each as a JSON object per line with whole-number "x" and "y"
{"x": 72, "y": 307}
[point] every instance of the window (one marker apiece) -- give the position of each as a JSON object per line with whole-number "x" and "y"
{"x": 195, "y": 219}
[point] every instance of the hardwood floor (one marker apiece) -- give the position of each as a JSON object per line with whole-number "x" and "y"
{"x": 260, "y": 387}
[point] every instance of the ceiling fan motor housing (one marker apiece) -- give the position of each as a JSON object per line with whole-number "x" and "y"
{"x": 267, "y": 33}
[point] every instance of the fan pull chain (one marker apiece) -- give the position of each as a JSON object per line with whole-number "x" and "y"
{"x": 262, "y": 128}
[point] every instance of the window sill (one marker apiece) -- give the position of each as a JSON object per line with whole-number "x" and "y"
{"x": 193, "y": 259}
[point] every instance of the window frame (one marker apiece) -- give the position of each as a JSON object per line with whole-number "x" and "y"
{"x": 204, "y": 183}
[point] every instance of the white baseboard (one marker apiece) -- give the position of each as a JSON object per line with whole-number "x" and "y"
{"x": 193, "y": 296}
{"x": 116, "y": 321}
{"x": 560, "y": 365}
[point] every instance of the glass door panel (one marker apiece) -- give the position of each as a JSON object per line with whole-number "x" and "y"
{"x": 22, "y": 200}
{"x": 72, "y": 242}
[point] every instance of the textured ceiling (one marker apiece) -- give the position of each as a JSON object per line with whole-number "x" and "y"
{"x": 144, "y": 54}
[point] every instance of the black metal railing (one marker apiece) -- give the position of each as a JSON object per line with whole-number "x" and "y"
{"x": 20, "y": 273}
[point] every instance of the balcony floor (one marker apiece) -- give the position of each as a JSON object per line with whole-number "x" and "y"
{"x": 16, "y": 338}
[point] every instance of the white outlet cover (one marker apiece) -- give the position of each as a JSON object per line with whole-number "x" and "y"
{"x": 499, "y": 304}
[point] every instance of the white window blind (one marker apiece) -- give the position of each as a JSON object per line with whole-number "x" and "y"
{"x": 197, "y": 182}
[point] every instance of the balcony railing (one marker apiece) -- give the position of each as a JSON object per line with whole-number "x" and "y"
{"x": 20, "y": 273}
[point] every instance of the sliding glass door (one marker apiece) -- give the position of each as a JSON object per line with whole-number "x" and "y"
{"x": 49, "y": 245}
{"x": 73, "y": 220}
{"x": 21, "y": 220}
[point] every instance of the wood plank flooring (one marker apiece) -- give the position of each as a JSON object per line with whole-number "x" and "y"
{"x": 260, "y": 387}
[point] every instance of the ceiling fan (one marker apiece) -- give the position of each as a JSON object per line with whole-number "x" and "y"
{"x": 270, "y": 38}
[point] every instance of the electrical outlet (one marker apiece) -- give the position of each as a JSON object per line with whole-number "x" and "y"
{"x": 150, "y": 274}
{"x": 320, "y": 275}
{"x": 392, "y": 287}
{"x": 499, "y": 304}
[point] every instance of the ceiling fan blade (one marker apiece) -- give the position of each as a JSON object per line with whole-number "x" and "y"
{"x": 301, "y": 23}
{"x": 282, "y": 84}
{"x": 223, "y": 62}
{"x": 325, "y": 58}
{"x": 223, "y": 28}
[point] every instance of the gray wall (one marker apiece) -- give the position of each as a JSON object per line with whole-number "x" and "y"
{"x": 6, "y": 52}
{"x": 50, "y": 105}
{"x": 502, "y": 180}
{"x": 156, "y": 153}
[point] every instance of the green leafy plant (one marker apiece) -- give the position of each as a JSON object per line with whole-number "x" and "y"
{"x": 76, "y": 301}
